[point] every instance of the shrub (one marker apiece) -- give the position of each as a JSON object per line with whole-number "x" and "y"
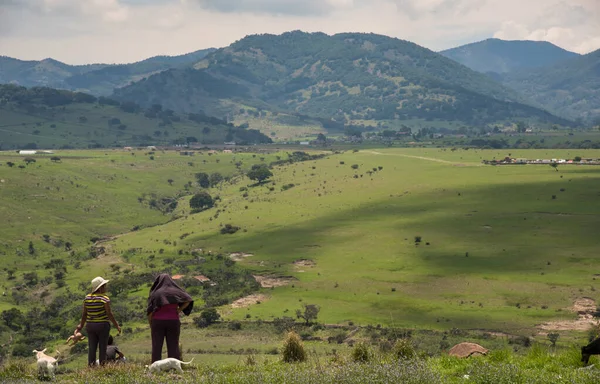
{"x": 404, "y": 349}
{"x": 235, "y": 325}
{"x": 293, "y": 349}
{"x": 229, "y": 229}
{"x": 354, "y": 166}
{"x": 360, "y": 353}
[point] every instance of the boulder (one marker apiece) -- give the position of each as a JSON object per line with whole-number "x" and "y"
{"x": 464, "y": 350}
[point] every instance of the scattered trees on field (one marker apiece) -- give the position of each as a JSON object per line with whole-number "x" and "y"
{"x": 207, "y": 317}
{"x": 309, "y": 314}
{"x": 201, "y": 201}
{"x": 260, "y": 173}
{"x": 29, "y": 160}
{"x": 203, "y": 179}
{"x": 215, "y": 178}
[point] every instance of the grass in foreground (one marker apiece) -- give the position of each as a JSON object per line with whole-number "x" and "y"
{"x": 539, "y": 365}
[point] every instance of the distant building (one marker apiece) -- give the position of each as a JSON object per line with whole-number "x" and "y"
{"x": 27, "y": 152}
{"x": 305, "y": 143}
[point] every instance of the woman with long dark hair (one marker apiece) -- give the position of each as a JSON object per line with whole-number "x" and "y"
{"x": 165, "y": 302}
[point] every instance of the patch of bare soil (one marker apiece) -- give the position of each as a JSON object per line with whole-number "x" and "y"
{"x": 304, "y": 263}
{"x": 237, "y": 256}
{"x": 584, "y": 307}
{"x": 272, "y": 281}
{"x": 249, "y": 300}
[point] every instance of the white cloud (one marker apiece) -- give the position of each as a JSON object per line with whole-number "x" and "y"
{"x": 79, "y": 31}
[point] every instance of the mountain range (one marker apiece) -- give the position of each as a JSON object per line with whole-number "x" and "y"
{"x": 348, "y": 78}
{"x": 97, "y": 79}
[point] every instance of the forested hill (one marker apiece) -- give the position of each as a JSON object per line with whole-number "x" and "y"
{"x": 49, "y": 118}
{"x": 502, "y": 56}
{"x": 571, "y": 88}
{"x": 347, "y": 77}
{"x": 97, "y": 79}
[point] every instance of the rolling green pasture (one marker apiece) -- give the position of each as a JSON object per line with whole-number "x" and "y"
{"x": 497, "y": 251}
{"x": 90, "y": 194}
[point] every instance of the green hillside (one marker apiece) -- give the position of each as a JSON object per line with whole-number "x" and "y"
{"x": 502, "y": 56}
{"x": 48, "y": 118}
{"x": 347, "y": 77}
{"x": 571, "y": 88}
{"x": 429, "y": 242}
{"x": 97, "y": 79}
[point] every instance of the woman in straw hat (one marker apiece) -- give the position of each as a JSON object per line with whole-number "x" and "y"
{"x": 98, "y": 315}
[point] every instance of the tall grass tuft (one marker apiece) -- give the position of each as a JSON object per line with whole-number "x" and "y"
{"x": 404, "y": 349}
{"x": 360, "y": 353}
{"x": 293, "y": 349}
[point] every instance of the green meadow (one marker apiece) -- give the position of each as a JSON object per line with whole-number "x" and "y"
{"x": 491, "y": 238}
{"x": 424, "y": 239}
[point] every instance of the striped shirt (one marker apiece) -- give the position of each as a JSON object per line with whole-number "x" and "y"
{"x": 94, "y": 304}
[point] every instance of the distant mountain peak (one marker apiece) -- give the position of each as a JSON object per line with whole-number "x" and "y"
{"x": 502, "y": 56}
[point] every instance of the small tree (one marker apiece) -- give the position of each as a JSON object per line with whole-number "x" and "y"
{"x": 10, "y": 164}
{"x": 29, "y": 160}
{"x": 170, "y": 181}
{"x": 202, "y": 179}
{"x": 201, "y": 201}
{"x": 215, "y": 178}
{"x": 260, "y": 173}
{"x": 30, "y": 279}
{"x": 555, "y": 166}
{"x": 55, "y": 159}
{"x": 310, "y": 313}
{"x": 553, "y": 337}
{"x": 207, "y": 317}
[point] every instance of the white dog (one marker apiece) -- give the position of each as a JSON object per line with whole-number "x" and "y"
{"x": 166, "y": 364}
{"x": 45, "y": 364}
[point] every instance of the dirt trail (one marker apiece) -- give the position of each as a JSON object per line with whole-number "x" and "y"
{"x": 584, "y": 307}
{"x": 424, "y": 158}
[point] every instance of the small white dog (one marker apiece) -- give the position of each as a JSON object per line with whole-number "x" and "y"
{"x": 45, "y": 364}
{"x": 166, "y": 364}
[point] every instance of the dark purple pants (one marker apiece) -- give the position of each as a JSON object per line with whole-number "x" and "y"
{"x": 161, "y": 329}
{"x": 97, "y": 337}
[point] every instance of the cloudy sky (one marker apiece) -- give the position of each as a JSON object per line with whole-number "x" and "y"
{"x": 116, "y": 31}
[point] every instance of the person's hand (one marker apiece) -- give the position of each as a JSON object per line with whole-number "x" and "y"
{"x": 119, "y": 329}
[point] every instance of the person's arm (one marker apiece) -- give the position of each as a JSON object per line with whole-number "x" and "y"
{"x": 111, "y": 317}
{"x": 150, "y": 318}
{"x": 82, "y": 322}
{"x": 121, "y": 355}
{"x": 183, "y": 306}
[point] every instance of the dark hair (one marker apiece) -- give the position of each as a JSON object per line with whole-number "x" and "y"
{"x": 110, "y": 339}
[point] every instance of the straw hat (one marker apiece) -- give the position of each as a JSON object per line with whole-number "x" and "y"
{"x": 97, "y": 283}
